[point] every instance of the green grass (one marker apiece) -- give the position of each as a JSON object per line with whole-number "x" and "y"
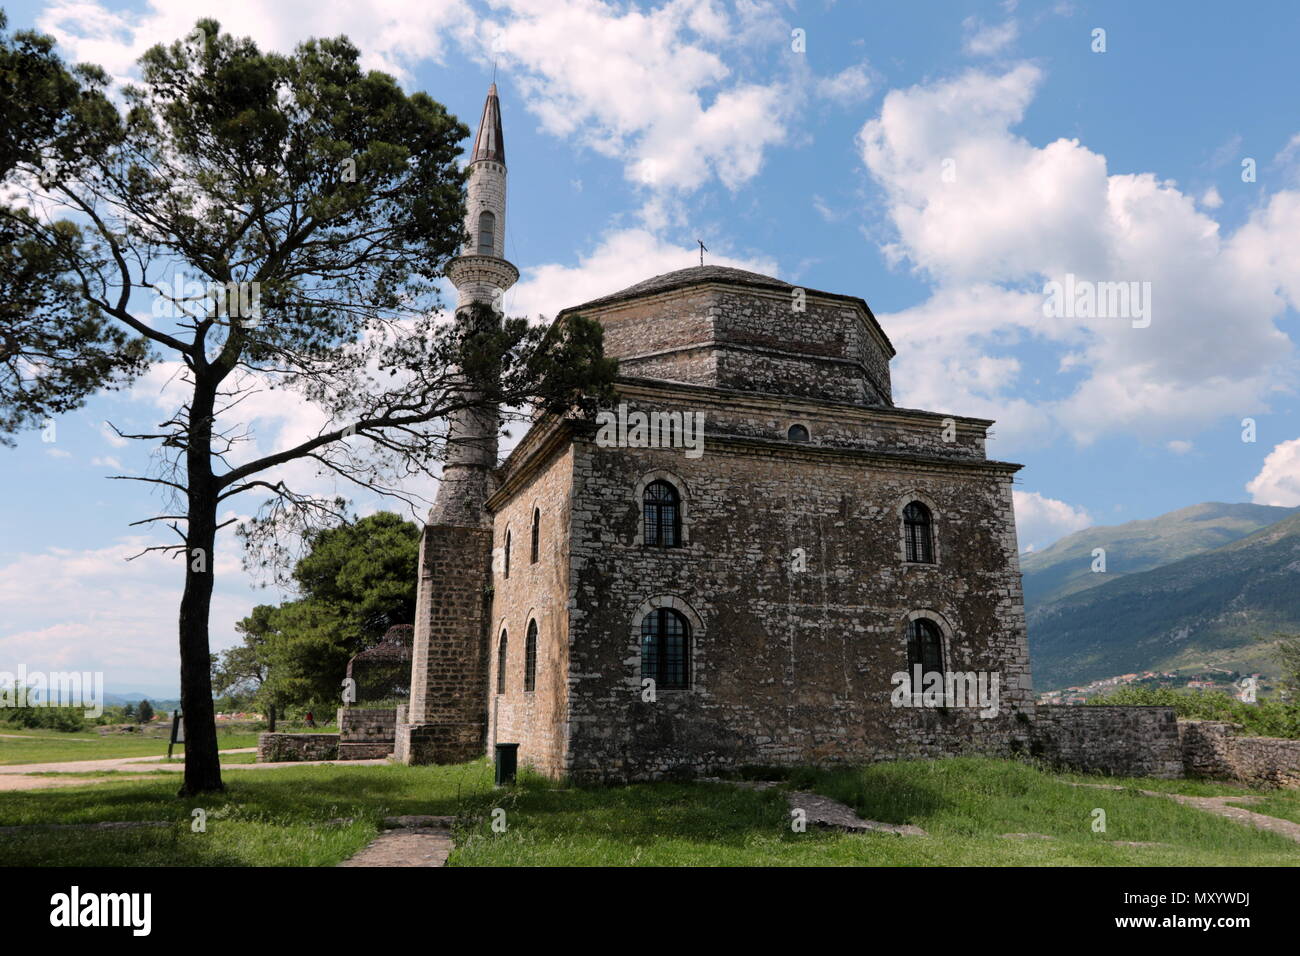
{"x": 278, "y": 817}
{"x": 50, "y": 746}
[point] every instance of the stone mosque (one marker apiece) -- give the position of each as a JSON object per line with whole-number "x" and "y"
{"x": 635, "y": 609}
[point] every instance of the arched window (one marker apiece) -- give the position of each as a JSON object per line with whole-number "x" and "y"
{"x": 663, "y": 515}
{"x": 505, "y": 563}
{"x": 530, "y": 658}
{"x": 487, "y": 233}
{"x": 666, "y": 649}
{"x": 797, "y": 433}
{"x": 918, "y": 534}
{"x": 924, "y": 646}
{"x": 501, "y": 664}
{"x": 537, "y": 531}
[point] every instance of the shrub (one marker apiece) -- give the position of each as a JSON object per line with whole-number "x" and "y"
{"x": 1268, "y": 718}
{"x": 67, "y": 719}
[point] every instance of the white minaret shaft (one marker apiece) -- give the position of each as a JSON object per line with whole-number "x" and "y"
{"x": 481, "y": 275}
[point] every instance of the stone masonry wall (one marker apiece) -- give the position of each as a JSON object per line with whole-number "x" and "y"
{"x": 535, "y": 719}
{"x": 447, "y": 714}
{"x": 880, "y": 430}
{"x": 366, "y": 733}
{"x": 283, "y": 748}
{"x": 750, "y": 339}
{"x": 365, "y": 725}
{"x": 1211, "y": 748}
{"x": 789, "y": 667}
{"x": 1121, "y": 741}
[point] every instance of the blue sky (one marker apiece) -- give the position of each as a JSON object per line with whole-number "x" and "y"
{"x": 633, "y": 130}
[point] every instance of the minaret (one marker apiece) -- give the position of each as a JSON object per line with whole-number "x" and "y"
{"x": 481, "y": 275}
{"x": 446, "y": 719}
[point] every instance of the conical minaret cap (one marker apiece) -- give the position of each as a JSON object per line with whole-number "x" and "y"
{"x": 489, "y": 143}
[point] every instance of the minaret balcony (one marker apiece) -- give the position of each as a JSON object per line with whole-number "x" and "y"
{"x": 476, "y": 270}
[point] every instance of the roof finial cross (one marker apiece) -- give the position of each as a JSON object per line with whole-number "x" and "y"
{"x": 703, "y": 250}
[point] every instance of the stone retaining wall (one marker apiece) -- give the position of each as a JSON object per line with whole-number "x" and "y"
{"x": 367, "y": 725}
{"x": 1122, "y": 741}
{"x": 1211, "y": 748}
{"x": 284, "y": 748}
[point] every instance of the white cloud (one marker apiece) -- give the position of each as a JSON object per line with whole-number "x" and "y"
{"x": 1211, "y": 199}
{"x": 106, "y": 461}
{"x": 622, "y": 258}
{"x": 392, "y": 35}
{"x": 657, "y": 90}
{"x": 851, "y": 85}
{"x": 1010, "y": 215}
{"x": 93, "y": 610}
{"x": 988, "y": 40}
{"x": 648, "y": 88}
{"x": 1179, "y": 447}
{"x": 1278, "y": 481}
{"x": 112, "y": 437}
{"x": 1041, "y": 520}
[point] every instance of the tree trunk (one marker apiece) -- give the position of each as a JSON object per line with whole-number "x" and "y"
{"x": 270, "y": 718}
{"x": 202, "y": 763}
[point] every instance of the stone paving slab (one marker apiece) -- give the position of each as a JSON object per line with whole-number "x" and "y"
{"x": 825, "y": 812}
{"x": 407, "y": 846}
{"x": 418, "y": 820}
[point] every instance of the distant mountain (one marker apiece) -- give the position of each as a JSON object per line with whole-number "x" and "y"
{"x": 1201, "y": 611}
{"x": 1066, "y": 567}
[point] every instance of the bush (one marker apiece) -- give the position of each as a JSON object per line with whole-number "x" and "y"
{"x": 68, "y": 719}
{"x": 1268, "y": 718}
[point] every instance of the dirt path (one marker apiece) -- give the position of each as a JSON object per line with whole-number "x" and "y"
{"x": 409, "y": 841}
{"x": 23, "y": 776}
{"x": 1222, "y": 806}
{"x": 109, "y": 763}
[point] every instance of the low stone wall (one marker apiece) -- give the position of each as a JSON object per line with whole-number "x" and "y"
{"x": 367, "y": 725}
{"x": 377, "y": 751}
{"x": 285, "y": 748}
{"x": 1121, "y": 741}
{"x": 1211, "y": 748}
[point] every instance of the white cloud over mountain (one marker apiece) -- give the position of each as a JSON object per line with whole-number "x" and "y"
{"x": 988, "y": 217}
{"x": 1278, "y": 481}
{"x": 1041, "y": 520}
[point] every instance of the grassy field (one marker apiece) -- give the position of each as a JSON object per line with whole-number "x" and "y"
{"x": 317, "y": 816}
{"x": 49, "y": 746}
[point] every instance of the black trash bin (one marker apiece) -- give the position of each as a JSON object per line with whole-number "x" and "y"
{"x": 507, "y": 763}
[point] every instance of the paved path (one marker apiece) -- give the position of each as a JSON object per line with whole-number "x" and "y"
{"x": 1222, "y": 806}
{"x": 408, "y": 841}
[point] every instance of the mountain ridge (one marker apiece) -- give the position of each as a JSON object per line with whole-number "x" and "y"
{"x": 1213, "y": 602}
